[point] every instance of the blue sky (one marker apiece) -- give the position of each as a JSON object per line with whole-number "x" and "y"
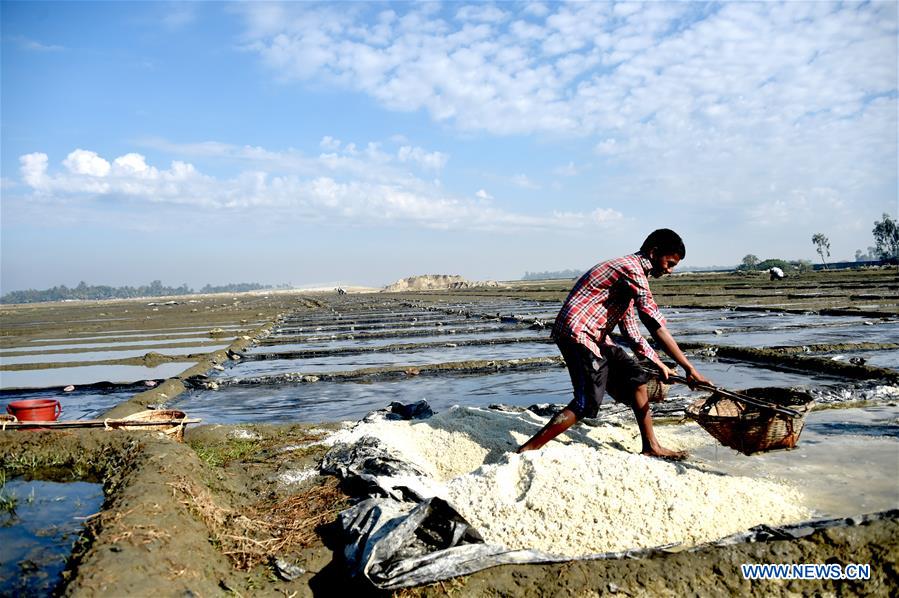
{"x": 311, "y": 143}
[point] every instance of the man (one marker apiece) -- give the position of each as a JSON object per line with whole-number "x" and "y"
{"x": 609, "y": 294}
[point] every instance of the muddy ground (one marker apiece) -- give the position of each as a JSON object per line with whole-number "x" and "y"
{"x": 229, "y": 512}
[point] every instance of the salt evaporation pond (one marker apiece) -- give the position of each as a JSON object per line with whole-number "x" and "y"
{"x": 448, "y": 336}
{"x": 847, "y": 461}
{"x": 335, "y": 401}
{"x": 42, "y": 358}
{"x": 690, "y": 320}
{"x": 88, "y": 374}
{"x": 770, "y": 336}
{"x": 422, "y": 356}
{"x": 112, "y": 345}
{"x": 398, "y": 331}
{"x": 37, "y": 535}
{"x": 881, "y": 359}
{"x": 185, "y": 331}
{"x": 411, "y": 321}
{"x": 87, "y": 403}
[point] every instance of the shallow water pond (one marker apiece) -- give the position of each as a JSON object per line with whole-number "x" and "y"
{"x": 880, "y": 359}
{"x": 771, "y": 336}
{"x": 326, "y": 401}
{"x": 334, "y": 401}
{"x": 39, "y": 525}
{"x": 88, "y": 374}
{"x": 110, "y": 345}
{"x": 445, "y": 337}
{"x": 846, "y": 462}
{"x": 430, "y": 355}
{"x": 78, "y": 404}
{"x": 101, "y": 355}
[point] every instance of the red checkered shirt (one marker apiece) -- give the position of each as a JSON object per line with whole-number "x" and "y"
{"x": 607, "y": 295}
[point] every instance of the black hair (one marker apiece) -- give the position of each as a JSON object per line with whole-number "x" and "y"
{"x": 665, "y": 241}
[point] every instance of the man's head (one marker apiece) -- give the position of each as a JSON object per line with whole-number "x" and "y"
{"x": 665, "y": 249}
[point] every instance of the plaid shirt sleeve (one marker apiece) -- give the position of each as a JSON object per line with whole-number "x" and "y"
{"x": 629, "y": 328}
{"x": 643, "y": 301}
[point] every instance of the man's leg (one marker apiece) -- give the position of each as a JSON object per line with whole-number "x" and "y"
{"x": 558, "y": 424}
{"x": 651, "y": 446}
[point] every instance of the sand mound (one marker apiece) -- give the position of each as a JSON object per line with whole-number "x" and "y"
{"x": 588, "y": 493}
{"x": 433, "y": 282}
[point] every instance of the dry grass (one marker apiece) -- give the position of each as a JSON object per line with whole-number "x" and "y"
{"x": 266, "y": 529}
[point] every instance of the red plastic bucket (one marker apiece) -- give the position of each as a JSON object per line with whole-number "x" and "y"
{"x": 35, "y": 410}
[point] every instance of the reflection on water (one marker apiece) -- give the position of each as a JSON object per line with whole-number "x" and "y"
{"x": 88, "y": 374}
{"x": 39, "y": 530}
{"x": 352, "y": 400}
{"x": 383, "y": 342}
{"x": 79, "y": 404}
{"x": 103, "y": 355}
{"x": 183, "y": 330}
{"x": 89, "y": 347}
{"x": 881, "y": 359}
{"x": 334, "y": 401}
{"x": 879, "y": 332}
{"x": 431, "y": 355}
{"x": 846, "y": 463}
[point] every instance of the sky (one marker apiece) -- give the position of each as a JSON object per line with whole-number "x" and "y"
{"x": 358, "y": 143}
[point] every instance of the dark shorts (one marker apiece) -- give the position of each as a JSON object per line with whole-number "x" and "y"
{"x": 615, "y": 372}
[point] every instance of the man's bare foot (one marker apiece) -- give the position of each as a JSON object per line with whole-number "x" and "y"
{"x": 663, "y": 453}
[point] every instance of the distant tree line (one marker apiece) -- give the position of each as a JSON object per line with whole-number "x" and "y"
{"x": 884, "y": 250}
{"x": 751, "y": 262}
{"x": 551, "y": 275}
{"x": 154, "y": 289}
{"x": 886, "y": 241}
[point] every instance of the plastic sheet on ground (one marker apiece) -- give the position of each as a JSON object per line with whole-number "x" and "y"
{"x": 403, "y": 535}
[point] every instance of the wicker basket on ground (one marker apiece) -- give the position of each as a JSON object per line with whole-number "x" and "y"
{"x": 751, "y": 429}
{"x": 175, "y": 432}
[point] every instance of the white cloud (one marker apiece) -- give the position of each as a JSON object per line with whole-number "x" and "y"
{"x": 607, "y": 147}
{"x": 85, "y": 162}
{"x": 34, "y": 169}
{"x": 486, "y": 13}
{"x": 330, "y": 144}
{"x": 605, "y": 215}
{"x": 701, "y": 103}
{"x": 524, "y": 182}
{"x": 179, "y": 14}
{"x": 428, "y": 160}
{"x": 365, "y": 188}
{"x": 36, "y": 46}
{"x": 133, "y": 164}
{"x": 599, "y": 216}
{"x": 566, "y": 170}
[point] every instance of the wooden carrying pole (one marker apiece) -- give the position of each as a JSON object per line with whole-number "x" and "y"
{"x": 94, "y": 423}
{"x": 729, "y": 394}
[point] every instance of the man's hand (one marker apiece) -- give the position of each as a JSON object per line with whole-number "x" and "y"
{"x": 665, "y": 371}
{"x": 694, "y": 377}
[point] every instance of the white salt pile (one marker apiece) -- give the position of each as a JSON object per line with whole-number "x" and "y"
{"x": 588, "y": 492}
{"x": 574, "y": 500}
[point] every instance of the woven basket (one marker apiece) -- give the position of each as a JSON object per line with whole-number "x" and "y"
{"x": 657, "y": 390}
{"x": 751, "y": 429}
{"x": 175, "y": 432}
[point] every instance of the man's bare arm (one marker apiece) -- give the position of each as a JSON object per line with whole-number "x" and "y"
{"x": 667, "y": 342}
